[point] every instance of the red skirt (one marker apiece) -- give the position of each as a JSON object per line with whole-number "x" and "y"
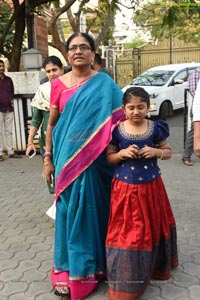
{"x": 141, "y": 242}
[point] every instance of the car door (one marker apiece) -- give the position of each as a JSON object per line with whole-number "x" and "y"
{"x": 178, "y": 86}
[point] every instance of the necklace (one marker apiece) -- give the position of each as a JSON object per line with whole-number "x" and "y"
{"x": 80, "y": 81}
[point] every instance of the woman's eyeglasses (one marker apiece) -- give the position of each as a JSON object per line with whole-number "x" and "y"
{"x": 83, "y": 48}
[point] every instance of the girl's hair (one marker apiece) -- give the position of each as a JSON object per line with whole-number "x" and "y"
{"x": 137, "y": 92}
{"x": 86, "y": 36}
{"x": 54, "y": 60}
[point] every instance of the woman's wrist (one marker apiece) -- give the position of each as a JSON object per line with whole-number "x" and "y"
{"x": 47, "y": 154}
{"x": 47, "y": 161}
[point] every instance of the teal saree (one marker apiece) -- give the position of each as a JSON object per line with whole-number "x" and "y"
{"x": 83, "y": 183}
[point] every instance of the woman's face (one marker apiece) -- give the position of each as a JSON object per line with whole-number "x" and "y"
{"x": 53, "y": 71}
{"x": 79, "y": 52}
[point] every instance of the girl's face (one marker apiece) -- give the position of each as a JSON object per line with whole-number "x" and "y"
{"x": 79, "y": 52}
{"x": 53, "y": 71}
{"x": 136, "y": 110}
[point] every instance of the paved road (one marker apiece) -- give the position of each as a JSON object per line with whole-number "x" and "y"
{"x": 26, "y": 233}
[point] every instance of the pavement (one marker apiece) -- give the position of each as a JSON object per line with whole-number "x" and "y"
{"x": 27, "y": 233}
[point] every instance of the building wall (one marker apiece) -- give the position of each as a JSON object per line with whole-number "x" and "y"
{"x": 41, "y": 36}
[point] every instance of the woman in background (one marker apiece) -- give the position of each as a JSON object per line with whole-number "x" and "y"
{"x": 41, "y": 102}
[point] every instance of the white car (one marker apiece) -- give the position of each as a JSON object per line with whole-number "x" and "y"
{"x": 166, "y": 86}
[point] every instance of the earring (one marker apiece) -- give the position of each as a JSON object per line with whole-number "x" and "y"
{"x": 148, "y": 114}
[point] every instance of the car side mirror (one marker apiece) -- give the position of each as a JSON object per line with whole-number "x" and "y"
{"x": 178, "y": 81}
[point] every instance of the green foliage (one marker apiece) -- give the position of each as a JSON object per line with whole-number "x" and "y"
{"x": 138, "y": 41}
{"x": 180, "y": 18}
{"x": 4, "y": 17}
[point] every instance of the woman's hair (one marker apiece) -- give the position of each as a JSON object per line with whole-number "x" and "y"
{"x": 54, "y": 60}
{"x": 86, "y": 36}
{"x": 137, "y": 92}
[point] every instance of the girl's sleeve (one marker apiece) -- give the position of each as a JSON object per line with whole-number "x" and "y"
{"x": 114, "y": 142}
{"x": 55, "y": 93}
{"x": 162, "y": 132}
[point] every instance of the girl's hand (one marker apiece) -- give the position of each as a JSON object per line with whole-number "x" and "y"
{"x": 130, "y": 152}
{"x": 149, "y": 152}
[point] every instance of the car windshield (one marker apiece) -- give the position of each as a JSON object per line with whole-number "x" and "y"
{"x": 155, "y": 78}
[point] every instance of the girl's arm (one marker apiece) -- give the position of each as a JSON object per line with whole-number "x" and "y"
{"x": 48, "y": 164}
{"x": 163, "y": 152}
{"x": 114, "y": 157}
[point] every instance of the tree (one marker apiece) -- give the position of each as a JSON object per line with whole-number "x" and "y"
{"x": 136, "y": 42}
{"x": 22, "y": 12}
{"x": 180, "y": 18}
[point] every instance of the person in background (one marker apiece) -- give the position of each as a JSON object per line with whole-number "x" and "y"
{"x": 189, "y": 142}
{"x": 196, "y": 120}
{"x": 97, "y": 64}
{"x": 141, "y": 241}
{"x": 46, "y": 79}
{"x": 6, "y": 113}
{"x": 79, "y": 129}
{"x": 40, "y": 103}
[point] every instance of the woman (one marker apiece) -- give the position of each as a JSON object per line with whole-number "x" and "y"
{"x": 88, "y": 105}
{"x": 53, "y": 68}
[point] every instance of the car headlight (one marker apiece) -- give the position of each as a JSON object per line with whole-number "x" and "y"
{"x": 154, "y": 95}
{"x": 152, "y": 106}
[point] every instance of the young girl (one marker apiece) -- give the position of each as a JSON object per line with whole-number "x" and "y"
{"x": 141, "y": 240}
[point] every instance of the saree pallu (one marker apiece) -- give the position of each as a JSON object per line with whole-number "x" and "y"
{"x": 141, "y": 243}
{"x": 83, "y": 182}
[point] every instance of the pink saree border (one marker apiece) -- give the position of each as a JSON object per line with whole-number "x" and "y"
{"x": 91, "y": 150}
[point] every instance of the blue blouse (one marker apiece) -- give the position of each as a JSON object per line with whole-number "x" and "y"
{"x": 140, "y": 170}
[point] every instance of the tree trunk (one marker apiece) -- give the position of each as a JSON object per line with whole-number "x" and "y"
{"x": 15, "y": 55}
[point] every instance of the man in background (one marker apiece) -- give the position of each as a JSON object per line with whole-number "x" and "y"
{"x": 98, "y": 64}
{"x": 6, "y": 113}
{"x": 192, "y": 81}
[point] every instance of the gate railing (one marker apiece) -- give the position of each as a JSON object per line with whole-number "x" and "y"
{"x": 22, "y": 118}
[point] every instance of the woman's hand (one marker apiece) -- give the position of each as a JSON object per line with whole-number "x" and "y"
{"x": 48, "y": 170}
{"x": 30, "y": 147}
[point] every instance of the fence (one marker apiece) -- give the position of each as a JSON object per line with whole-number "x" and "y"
{"x": 22, "y": 117}
{"x": 152, "y": 55}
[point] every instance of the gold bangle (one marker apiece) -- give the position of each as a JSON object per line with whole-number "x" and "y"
{"x": 121, "y": 157}
{"x": 162, "y": 154}
{"x": 46, "y": 163}
{"x": 29, "y": 144}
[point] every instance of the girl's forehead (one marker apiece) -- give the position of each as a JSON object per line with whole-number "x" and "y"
{"x": 135, "y": 99}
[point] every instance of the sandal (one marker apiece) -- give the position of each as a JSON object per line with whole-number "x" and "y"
{"x": 187, "y": 162}
{"x": 61, "y": 291}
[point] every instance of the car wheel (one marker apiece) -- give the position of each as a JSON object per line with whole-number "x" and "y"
{"x": 164, "y": 111}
